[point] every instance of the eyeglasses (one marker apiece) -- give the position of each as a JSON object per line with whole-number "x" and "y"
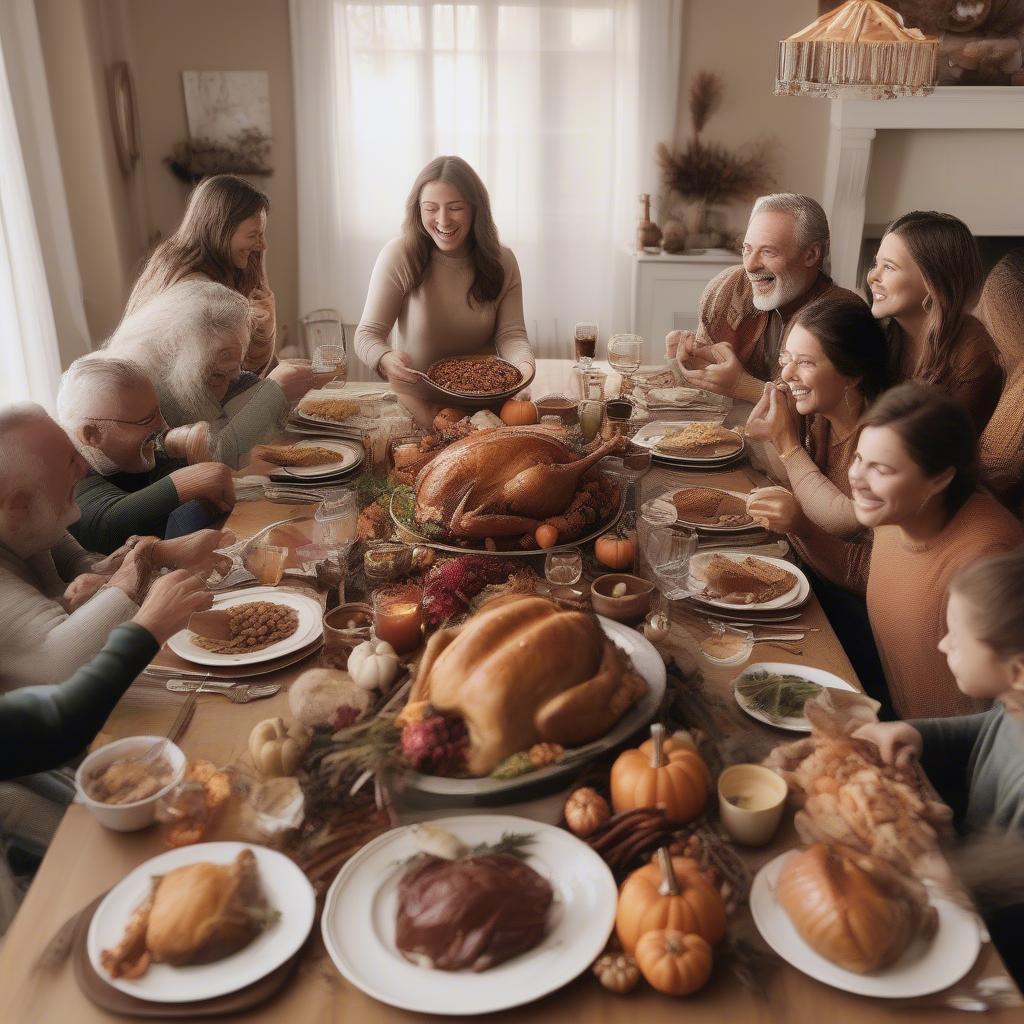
{"x": 148, "y": 421}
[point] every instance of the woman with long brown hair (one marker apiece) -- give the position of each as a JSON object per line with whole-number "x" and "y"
{"x": 925, "y": 277}
{"x": 447, "y": 282}
{"x": 222, "y": 237}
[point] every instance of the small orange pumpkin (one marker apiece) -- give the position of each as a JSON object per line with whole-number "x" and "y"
{"x": 546, "y": 535}
{"x": 673, "y": 962}
{"x": 585, "y": 810}
{"x": 615, "y": 551}
{"x": 661, "y": 773}
{"x": 518, "y": 412}
{"x": 670, "y": 892}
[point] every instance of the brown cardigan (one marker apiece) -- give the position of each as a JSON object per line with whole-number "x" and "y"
{"x": 727, "y": 313}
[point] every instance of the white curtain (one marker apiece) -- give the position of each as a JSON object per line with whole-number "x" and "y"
{"x": 558, "y": 104}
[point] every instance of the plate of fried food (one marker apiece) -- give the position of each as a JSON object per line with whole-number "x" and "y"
{"x": 249, "y": 626}
{"x": 736, "y": 579}
{"x": 468, "y": 915}
{"x": 312, "y": 459}
{"x": 323, "y": 407}
{"x": 480, "y": 378}
{"x": 853, "y": 920}
{"x": 690, "y": 443}
{"x": 708, "y": 509}
{"x": 200, "y": 922}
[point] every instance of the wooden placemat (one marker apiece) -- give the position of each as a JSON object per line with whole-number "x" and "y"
{"x": 100, "y": 992}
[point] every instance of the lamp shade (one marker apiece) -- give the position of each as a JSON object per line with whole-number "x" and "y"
{"x": 862, "y": 47}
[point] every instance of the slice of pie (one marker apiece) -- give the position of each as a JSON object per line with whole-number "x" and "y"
{"x": 337, "y": 410}
{"x": 750, "y": 581}
{"x": 296, "y": 454}
{"x": 706, "y": 506}
{"x": 698, "y": 439}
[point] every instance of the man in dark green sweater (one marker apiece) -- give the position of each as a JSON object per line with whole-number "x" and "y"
{"x": 110, "y": 410}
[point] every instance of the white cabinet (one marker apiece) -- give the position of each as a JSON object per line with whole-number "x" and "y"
{"x": 665, "y": 292}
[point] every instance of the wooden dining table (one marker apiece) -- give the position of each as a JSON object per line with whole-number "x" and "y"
{"x": 86, "y": 859}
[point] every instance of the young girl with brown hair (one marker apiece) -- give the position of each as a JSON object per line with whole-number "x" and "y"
{"x": 925, "y": 277}
{"x": 446, "y": 281}
{"x": 222, "y": 238}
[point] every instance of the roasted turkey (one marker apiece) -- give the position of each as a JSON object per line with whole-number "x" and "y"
{"x": 501, "y": 483}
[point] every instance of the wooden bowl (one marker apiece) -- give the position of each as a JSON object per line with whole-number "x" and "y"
{"x": 631, "y": 607}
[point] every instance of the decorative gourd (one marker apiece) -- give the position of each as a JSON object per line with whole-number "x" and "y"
{"x": 374, "y": 665}
{"x": 585, "y": 810}
{"x": 670, "y": 892}
{"x": 617, "y": 972}
{"x": 615, "y": 551}
{"x": 517, "y": 412}
{"x": 662, "y": 774}
{"x": 673, "y": 962}
{"x": 276, "y": 746}
{"x": 546, "y": 535}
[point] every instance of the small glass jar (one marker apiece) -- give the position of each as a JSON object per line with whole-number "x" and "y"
{"x": 336, "y": 519}
{"x": 398, "y": 617}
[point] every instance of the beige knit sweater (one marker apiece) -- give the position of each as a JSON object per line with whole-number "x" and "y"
{"x": 434, "y": 319}
{"x": 907, "y": 585}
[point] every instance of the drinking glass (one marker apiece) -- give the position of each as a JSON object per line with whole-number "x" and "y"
{"x": 266, "y": 562}
{"x": 398, "y": 617}
{"x": 330, "y": 358}
{"x": 585, "y": 336}
{"x": 591, "y": 414}
{"x": 668, "y": 550}
{"x": 624, "y": 354}
{"x": 323, "y": 329}
{"x": 563, "y": 568}
{"x": 335, "y": 519}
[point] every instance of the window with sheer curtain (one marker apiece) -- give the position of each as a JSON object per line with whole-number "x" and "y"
{"x": 558, "y": 106}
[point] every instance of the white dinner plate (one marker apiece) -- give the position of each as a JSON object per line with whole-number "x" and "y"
{"x": 796, "y": 595}
{"x": 358, "y": 922}
{"x": 311, "y": 624}
{"x": 647, "y": 662}
{"x": 924, "y": 968}
{"x": 794, "y": 723}
{"x": 350, "y": 455}
{"x": 664, "y": 508}
{"x": 650, "y": 434}
{"x": 287, "y": 891}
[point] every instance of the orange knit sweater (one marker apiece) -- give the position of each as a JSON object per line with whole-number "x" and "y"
{"x": 907, "y": 586}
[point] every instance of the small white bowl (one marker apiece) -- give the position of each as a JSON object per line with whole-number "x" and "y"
{"x": 140, "y": 813}
{"x": 744, "y": 638}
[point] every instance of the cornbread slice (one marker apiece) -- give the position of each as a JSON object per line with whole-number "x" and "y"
{"x": 337, "y": 410}
{"x": 752, "y": 581}
{"x": 707, "y": 506}
{"x": 697, "y": 439}
{"x": 296, "y": 455}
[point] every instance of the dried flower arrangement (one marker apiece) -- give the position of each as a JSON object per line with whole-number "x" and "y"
{"x": 706, "y": 173}
{"x": 195, "y": 159}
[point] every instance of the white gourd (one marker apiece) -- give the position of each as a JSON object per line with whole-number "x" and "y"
{"x": 276, "y": 746}
{"x": 374, "y": 665}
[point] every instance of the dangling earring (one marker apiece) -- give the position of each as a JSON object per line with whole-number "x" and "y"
{"x": 926, "y": 302}
{"x": 846, "y": 398}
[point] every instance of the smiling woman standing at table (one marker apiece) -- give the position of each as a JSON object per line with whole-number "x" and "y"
{"x": 447, "y": 282}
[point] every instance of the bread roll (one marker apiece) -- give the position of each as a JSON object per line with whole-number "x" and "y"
{"x": 853, "y": 908}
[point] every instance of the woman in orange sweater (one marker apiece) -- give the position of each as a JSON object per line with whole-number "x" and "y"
{"x": 914, "y": 481}
{"x": 926, "y": 276}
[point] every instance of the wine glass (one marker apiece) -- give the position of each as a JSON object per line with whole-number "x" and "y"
{"x": 563, "y": 568}
{"x": 668, "y": 550}
{"x": 585, "y": 335}
{"x": 624, "y": 354}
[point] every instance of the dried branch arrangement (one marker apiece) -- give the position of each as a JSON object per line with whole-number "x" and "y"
{"x": 195, "y": 159}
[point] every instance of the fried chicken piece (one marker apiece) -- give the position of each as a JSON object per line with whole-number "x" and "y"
{"x": 296, "y": 454}
{"x": 337, "y": 410}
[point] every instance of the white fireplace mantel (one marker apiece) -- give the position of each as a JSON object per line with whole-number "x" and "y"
{"x": 853, "y": 125}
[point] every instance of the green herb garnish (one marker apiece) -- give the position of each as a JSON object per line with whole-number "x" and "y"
{"x": 512, "y": 843}
{"x": 777, "y": 696}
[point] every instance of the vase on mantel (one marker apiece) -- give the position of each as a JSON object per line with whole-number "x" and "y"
{"x": 648, "y": 234}
{"x": 695, "y": 216}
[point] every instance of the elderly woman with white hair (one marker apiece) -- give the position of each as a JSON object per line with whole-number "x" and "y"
{"x": 191, "y": 340}
{"x": 746, "y": 311}
{"x": 111, "y": 412}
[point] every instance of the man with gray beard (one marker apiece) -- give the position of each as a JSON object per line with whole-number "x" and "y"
{"x": 111, "y": 412}
{"x": 59, "y": 602}
{"x": 745, "y": 311}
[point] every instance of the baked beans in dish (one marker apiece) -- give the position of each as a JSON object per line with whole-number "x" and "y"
{"x": 485, "y": 376}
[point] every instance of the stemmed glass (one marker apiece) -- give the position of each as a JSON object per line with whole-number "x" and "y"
{"x": 585, "y": 335}
{"x": 624, "y": 354}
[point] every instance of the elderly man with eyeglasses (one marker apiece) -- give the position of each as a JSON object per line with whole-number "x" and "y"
{"x": 110, "y": 410}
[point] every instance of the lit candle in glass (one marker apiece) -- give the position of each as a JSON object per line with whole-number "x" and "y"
{"x": 397, "y": 617}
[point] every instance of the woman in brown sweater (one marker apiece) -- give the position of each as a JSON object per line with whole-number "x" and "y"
{"x": 448, "y": 284}
{"x": 1002, "y": 443}
{"x": 915, "y": 484}
{"x": 834, "y": 365}
{"x": 221, "y": 238}
{"x": 925, "y": 277}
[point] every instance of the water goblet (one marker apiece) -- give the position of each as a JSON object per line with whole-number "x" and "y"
{"x": 624, "y": 354}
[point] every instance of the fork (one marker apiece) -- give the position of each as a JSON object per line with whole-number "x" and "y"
{"x": 237, "y": 694}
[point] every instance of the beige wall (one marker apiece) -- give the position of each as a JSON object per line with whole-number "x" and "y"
{"x": 113, "y": 218}
{"x": 739, "y": 40}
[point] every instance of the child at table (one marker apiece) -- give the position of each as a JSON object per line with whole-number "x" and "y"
{"x": 977, "y": 761}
